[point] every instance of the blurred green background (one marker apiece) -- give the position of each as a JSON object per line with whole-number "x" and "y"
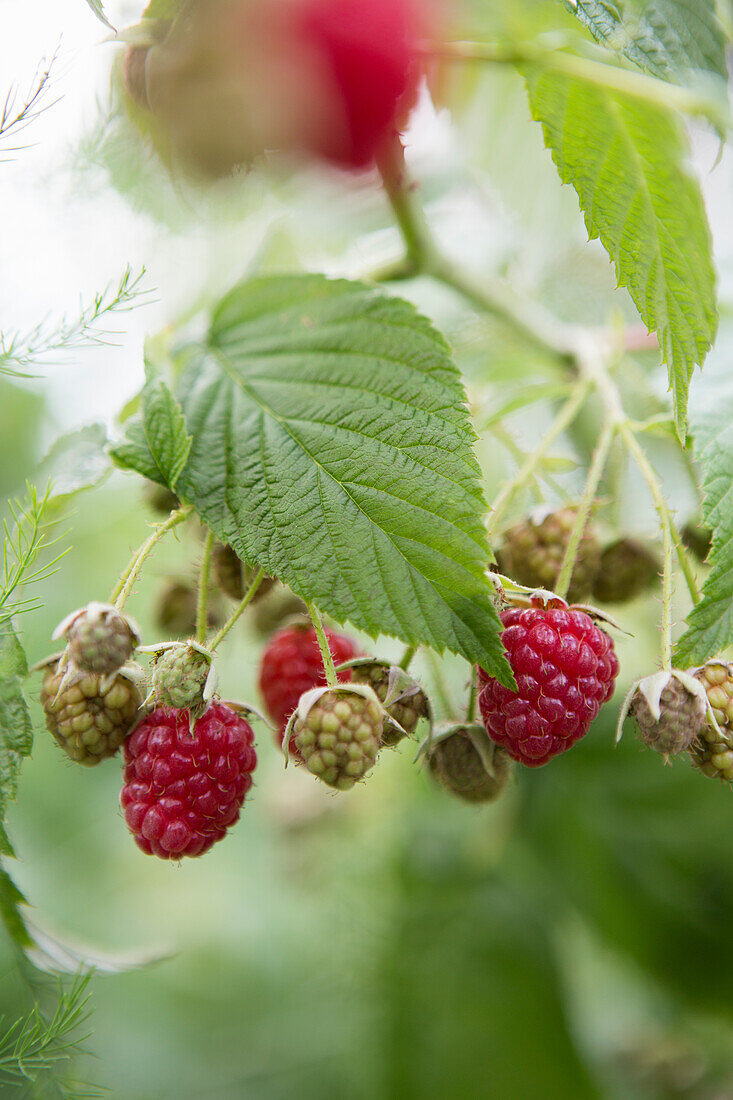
{"x": 573, "y": 941}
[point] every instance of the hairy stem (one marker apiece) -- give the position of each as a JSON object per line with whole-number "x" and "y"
{"x": 667, "y": 594}
{"x": 562, "y": 421}
{"x": 595, "y": 474}
{"x": 593, "y": 69}
{"x": 123, "y": 588}
{"x": 592, "y": 366}
{"x": 328, "y": 667}
{"x": 519, "y": 456}
{"x": 241, "y": 608}
{"x": 407, "y": 656}
{"x": 666, "y": 522}
{"x": 201, "y": 620}
{"x": 586, "y": 350}
{"x": 472, "y": 697}
{"x": 688, "y": 569}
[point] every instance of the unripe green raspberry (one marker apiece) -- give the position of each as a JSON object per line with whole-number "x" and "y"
{"x": 467, "y": 763}
{"x": 532, "y": 553}
{"x": 717, "y": 679}
{"x": 712, "y": 752}
{"x": 233, "y": 575}
{"x": 338, "y": 733}
{"x": 627, "y": 568}
{"x": 278, "y": 607}
{"x": 160, "y": 499}
{"x": 90, "y": 715}
{"x": 698, "y": 539}
{"x": 670, "y": 711}
{"x": 100, "y": 638}
{"x": 180, "y": 677}
{"x": 175, "y": 612}
{"x": 402, "y": 697}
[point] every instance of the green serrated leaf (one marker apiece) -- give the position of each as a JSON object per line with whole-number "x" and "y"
{"x": 76, "y": 461}
{"x": 332, "y": 446}
{"x": 157, "y": 442}
{"x": 627, "y": 161}
{"x": 710, "y": 624}
{"x": 16, "y": 730}
{"x": 667, "y": 38}
{"x": 13, "y": 920}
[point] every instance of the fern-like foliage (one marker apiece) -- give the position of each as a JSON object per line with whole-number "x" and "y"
{"x": 26, "y": 534}
{"x": 19, "y": 110}
{"x": 36, "y": 1049}
{"x": 21, "y": 351}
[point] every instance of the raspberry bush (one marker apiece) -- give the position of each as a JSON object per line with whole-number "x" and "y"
{"x": 386, "y": 504}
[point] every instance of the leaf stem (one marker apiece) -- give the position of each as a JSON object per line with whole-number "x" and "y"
{"x": 563, "y": 420}
{"x": 472, "y": 697}
{"x": 519, "y": 456}
{"x": 241, "y": 608}
{"x": 666, "y": 521}
{"x": 683, "y": 557}
{"x": 593, "y": 69}
{"x": 121, "y": 592}
{"x": 441, "y": 692}
{"x": 201, "y": 620}
{"x": 407, "y": 656}
{"x": 595, "y": 473}
{"x": 424, "y": 258}
{"x": 328, "y": 667}
{"x": 667, "y": 594}
{"x": 592, "y": 366}
{"x": 408, "y": 213}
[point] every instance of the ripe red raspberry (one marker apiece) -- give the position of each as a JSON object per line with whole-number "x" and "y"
{"x": 367, "y": 49}
{"x": 291, "y": 665}
{"x": 565, "y": 667}
{"x": 183, "y": 790}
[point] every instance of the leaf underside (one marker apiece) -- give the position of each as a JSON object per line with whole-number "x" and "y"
{"x": 668, "y": 38}
{"x": 627, "y": 161}
{"x": 332, "y": 446}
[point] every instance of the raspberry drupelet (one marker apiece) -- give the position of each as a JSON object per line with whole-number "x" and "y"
{"x": 565, "y": 667}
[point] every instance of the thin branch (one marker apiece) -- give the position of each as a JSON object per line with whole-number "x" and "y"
{"x": 201, "y": 619}
{"x": 563, "y": 420}
{"x": 595, "y": 473}
{"x": 596, "y": 68}
{"x": 406, "y": 659}
{"x": 243, "y": 605}
{"x": 326, "y": 657}
{"x": 121, "y": 592}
